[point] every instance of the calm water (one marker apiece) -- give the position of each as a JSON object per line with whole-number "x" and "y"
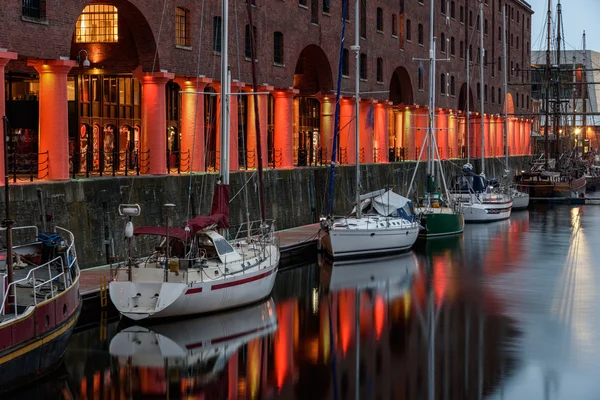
{"x": 507, "y": 311}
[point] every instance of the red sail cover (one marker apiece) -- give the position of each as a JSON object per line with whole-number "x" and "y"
{"x": 161, "y": 231}
{"x": 219, "y": 213}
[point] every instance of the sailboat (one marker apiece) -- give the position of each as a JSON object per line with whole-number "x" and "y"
{"x": 562, "y": 176}
{"x": 195, "y": 269}
{"x": 439, "y": 214}
{"x": 382, "y": 222}
{"x": 199, "y": 348}
{"x": 481, "y": 203}
{"x": 39, "y": 294}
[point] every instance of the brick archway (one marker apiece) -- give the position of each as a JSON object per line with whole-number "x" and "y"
{"x": 136, "y": 45}
{"x": 313, "y": 72}
{"x": 401, "y": 91}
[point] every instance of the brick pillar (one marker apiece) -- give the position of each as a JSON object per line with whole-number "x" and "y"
{"x": 154, "y": 120}
{"x": 284, "y": 125}
{"x": 5, "y": 57}
{"x": 347, "y": 134}
{"x": 367, "y": 124}
{"x": 327, "y": 124}
{"x": 442, "y": 133}
{"x": 54, "y": 117}
{"x": 420, "y": 131}
{"x": 381, "y": 135}
{"x": 409, "y": 134}
{"x": 192, "y": 120}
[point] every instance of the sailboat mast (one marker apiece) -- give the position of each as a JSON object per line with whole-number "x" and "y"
{"x": 505, "y": 68}
{"x": 557, "y": 87}
{"x": 547, "y": 99}
{"x": 336, "y": 118}
{"x": 224, "y": 156}
{"x": 356, "y": 48}
{"x": 584, "y": 95}
{"x": 256, "y": 114}
{"x": 468, "y": 96}
{"x": 432, "y": 75}
{"x": 482, "y": 87}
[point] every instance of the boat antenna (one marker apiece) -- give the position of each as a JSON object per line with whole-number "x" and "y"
{"x": 505, "y": 79}
{"x": 482, "y": 88}
{"x": 256, "y": 119}
{"x": 7, "y": 222}
{"x": 557, "y": 88}
{"x": 336, "y": 118}
{"x": 356, "y": 49}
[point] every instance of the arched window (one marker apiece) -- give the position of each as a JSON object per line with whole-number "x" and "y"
{"x": 278, "y": 48}
{"x": 452, "y": 46}
{"x": 182, "y": 27}
{"x": 248, "y": 41}
{"x": 443, "y": 6}
{"x": 363, "y": 18}
{"x": 98, "y": 23}
{"x": 443, "y": 43}
{"x": 462, "y": 49}
{"x": 408, "y": 30}
{"x": 379, "y": 19}
{"x": 452, "y": 86}
{"x": 443, "y": 83}
{"x": 420, "y": 33}
{"x": 345, "y": 63}
{"x": 379, "y": 69}
{"x": 363, "y": 66}
{"x": 420, "y": 78}
{"x": 452, "y": 10}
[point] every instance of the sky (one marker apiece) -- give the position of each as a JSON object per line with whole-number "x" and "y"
{"x": 578, "y": 15}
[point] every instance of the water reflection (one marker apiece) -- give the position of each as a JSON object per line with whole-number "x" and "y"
{"x": 506, "y": 310}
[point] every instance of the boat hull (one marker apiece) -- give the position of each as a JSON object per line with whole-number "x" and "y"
{"x": 520, "y": 202}
{"x": 487, "y": 212}
{"x": 179, "y": 299}
{"x": 38, "y": 356}
{"x": 349, "y": 243}
{"x": 440, "y": 222}
{"x": 574, "y": 189}
{"x": 536, "y": 189}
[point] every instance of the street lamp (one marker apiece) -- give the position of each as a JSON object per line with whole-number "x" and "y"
{"x": 86, "y": 62}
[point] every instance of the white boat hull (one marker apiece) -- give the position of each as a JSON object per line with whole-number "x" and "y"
{"x": 488, "y": 210}
{"x": 147, "y": 296}
{"x": 521, "y": 201}
{"x": 369, "y": 240}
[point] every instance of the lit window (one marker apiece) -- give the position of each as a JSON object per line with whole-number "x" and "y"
{"x": 182, "y": 27}
{"x": 98, "y": 23}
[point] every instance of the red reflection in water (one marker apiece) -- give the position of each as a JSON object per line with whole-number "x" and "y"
{"x": 379, "y": 315}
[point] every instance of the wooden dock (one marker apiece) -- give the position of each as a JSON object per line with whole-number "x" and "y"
{"x": 295, "y": 245}
{"x": 563, "y": 200}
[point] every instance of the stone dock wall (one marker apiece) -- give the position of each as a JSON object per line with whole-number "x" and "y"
{"x": 293, "y": 197}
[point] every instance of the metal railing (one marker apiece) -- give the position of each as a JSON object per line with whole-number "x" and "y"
{"x": 114, "y": 163}
{"x": 71, "y": 259}
{"x": 27, "y": 166}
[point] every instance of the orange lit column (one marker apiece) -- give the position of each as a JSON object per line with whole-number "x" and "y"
{"x": 475, "y": 132}
{"x": 54, "y": 118}
{"x": 234, "y": 153}
{"x": 398, "y": 131}
{"x": 154, "y": 119}
{"x": 262, "y": 118}
{"x": 327, "y": 125}
{"x": 442, "y": 133}
{"x": 367, "y": 123}
{"x": 487, "y": 138}
{"x": 420, "y": 131}
{"x": 408, "y": 134}
{"x": 192, "y": 120}
{"x": 347, "y": 133}
{"x": 528, "y": 137}
{"x": 382, "y": 137}
{"x": 452, "y": 136}
{"x": 284, "y": 126}
{"x": 510, "y": 132}
{"x": 5, "y": 57}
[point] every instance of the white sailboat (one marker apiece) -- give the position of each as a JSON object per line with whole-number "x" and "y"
{"x": 388, "y": 223}
{"x": 481, "y": 203}
{"x": 196, "y": 269}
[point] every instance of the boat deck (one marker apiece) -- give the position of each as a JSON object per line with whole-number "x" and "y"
{"x": 290, "y": 240}
{"x": 26, "y": 294}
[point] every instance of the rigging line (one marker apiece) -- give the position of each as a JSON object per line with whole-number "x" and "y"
{"x": 238, "y": 99}
{"x": 192, "y": 153}
{"x": 152, "y": 72}
{"x": 243, "y": 187}
{"x": 162, "y": 17}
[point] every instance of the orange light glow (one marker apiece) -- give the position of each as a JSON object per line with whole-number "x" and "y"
{"x": 346, "y": 317}
{"x": 379, "y": 315}
{"x": 282, "y": 342}
{"x": 254, "y": 367}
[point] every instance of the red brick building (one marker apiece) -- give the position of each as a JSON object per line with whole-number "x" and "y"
{"x": 133, "y": 106}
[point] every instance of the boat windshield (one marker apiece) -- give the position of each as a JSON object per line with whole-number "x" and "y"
{"x": 466, "y": 182}
{"x": 222, "y": 246}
